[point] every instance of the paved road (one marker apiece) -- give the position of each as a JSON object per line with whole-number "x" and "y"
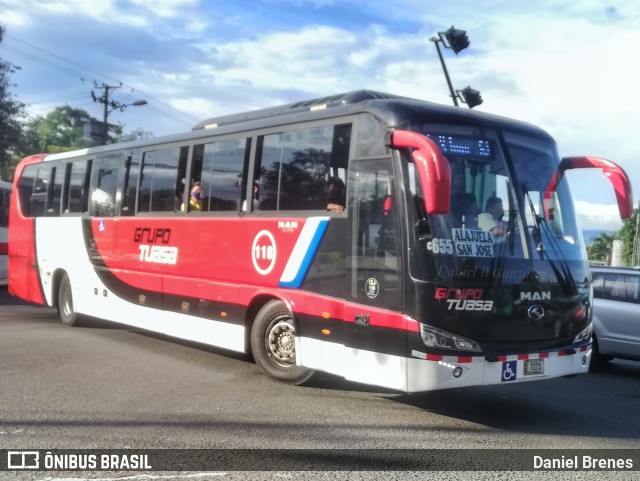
{"x": 105, "y": 386}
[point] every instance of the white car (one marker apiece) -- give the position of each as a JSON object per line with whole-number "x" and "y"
{"x": 616, "y": 313}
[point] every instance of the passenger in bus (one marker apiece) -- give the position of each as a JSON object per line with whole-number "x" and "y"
{"x": 195, "y": 201}
{"x": 491, "y": 219}
{"x": 255, "y": 200}
{"x": 336, "y": 198}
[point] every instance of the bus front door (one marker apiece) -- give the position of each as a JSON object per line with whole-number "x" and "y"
{"x": 374, "y": 344}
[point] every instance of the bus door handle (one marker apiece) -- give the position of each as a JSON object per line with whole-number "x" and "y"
{"x": 362, "y": 320}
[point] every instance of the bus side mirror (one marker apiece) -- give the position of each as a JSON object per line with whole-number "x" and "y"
{"x": 616, "y": 175}
{"x": 432, "y": 167}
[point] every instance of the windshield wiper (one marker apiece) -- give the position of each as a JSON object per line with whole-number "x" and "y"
{"x": 536, "y": 234}
{"x": 540, "y": 224}
{"x": 511, "y": 225}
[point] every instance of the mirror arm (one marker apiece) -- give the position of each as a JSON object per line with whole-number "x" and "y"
{"x": 616, "y": 175}
{"x": 433, "y": 169}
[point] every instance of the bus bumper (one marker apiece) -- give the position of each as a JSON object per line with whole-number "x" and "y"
{"x": 426, "y": 372}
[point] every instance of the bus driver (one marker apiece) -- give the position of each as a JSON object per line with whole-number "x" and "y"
{"x": 491, "y": 219}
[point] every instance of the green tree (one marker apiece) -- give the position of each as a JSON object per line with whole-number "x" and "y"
{"x": 63, "y": 129}
{"x": 11, "y": 114}
{"x": 60, "y": 130}
{"x": 601, "y": 247}
{"x": 628, "y": 234}
{"x": 137, "y": 134}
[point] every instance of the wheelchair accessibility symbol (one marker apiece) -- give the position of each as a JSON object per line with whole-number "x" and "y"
{"x": 509, "y": 370}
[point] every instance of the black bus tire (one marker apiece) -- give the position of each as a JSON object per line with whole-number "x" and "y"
{"x": 66, "y": 311}
{"x": 273, "y": 344}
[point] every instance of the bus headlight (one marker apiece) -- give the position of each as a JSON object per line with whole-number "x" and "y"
{"x": 584, "y": 335}
{"x": 441, "y": 339}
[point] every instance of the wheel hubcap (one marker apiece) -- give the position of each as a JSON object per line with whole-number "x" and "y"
{"x": 281, "y": 342}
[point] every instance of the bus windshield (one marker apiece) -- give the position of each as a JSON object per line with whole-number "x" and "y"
{"x": 500, "y": 205}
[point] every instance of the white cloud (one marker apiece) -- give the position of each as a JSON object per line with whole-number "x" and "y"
{"x": 164, "y": 8}
{"x": 598, "y": 216}
{"x": 13, "y": 17}
{"x": 321, "y": 60}
{"x": 313, "y": 58}
{"x": 135, "y": 13}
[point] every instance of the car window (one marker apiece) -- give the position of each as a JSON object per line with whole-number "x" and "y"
{"x": 633, "y": 288}
{"x": 598, "y": 284}
{"x": 622, "y": 287}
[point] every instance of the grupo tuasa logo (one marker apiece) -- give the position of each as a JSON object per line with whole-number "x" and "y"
{"x": 467, "y": 299}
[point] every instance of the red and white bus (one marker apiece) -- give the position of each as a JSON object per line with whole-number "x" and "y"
{"x": 398, "y": 287}
{"x": 5, "y": 192}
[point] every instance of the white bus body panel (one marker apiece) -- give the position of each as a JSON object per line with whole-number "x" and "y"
{"x": 60, "y": 245}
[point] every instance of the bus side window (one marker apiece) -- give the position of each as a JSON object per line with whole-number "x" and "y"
{"x": 132, "y": 177}
{"x": 294, "y": 167}
{"x": 40, "y": 194}
{"x": 55, "y": 201}
{"x": 103, "y": 198}
{"x": 160, "y": 179}
{"x": 219, "y": 167}
{"x": 78, "y": 185}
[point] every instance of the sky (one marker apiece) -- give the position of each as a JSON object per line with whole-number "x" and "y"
{"x": 570, "y": 67}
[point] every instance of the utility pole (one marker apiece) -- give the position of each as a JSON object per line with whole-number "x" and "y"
{"x": 456, "y": 40}
{"x": 446, "y": 72}
{"x": 109, "y": 106}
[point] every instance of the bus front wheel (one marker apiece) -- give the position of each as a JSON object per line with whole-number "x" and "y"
{"x": 273, "y": 344}
{"x": 67, "y": 313}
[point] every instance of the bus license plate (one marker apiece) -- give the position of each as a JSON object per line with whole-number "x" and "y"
{"x": 533, "y": 367}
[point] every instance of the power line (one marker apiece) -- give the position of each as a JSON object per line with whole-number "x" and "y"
{"x": 61, "y": 58}
{"x": 78, "y": 95}
{"x": 43, "y": 61}
{"x": 83, "y": 78}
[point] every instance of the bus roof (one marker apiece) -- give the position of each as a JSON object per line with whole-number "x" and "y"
{"x": 296, "y": 107}
{"x": 394, "y": 110}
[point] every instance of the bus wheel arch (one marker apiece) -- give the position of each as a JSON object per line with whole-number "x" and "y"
{"x": 56, "y": 279}
{"x": 272, "y": 329}
{"x": 254, "y": 307}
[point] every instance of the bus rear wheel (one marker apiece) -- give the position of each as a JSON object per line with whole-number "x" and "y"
{"x": 66, "y": 312}
{"x": 273, "y": 344}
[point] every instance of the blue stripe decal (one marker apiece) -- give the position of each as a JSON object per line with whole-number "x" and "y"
{"x": 307, "y": 258}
